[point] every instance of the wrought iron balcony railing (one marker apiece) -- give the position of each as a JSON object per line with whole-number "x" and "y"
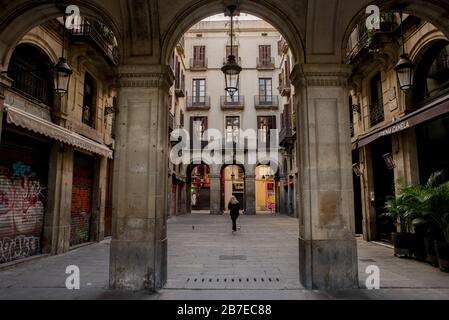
{"x": 377, "y": 114}
{"x": 198, "y": 103}
{"x": 266, "y": 102}
{"x": 180, "y": 86}
{"x": 285, "y": 88}
{"x": 198, "y": 64}
{"x": 286, "y": 136}
{"x": 171, "y": 121}
{"x": 236, "y": 102}
{"x": 265, "y": 63}
{"x": 100, "y": 35}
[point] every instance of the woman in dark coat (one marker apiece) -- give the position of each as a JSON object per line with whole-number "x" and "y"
{"x": 234, "y": 207}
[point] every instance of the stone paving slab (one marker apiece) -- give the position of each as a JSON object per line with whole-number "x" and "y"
{"x": 271, "y": 248}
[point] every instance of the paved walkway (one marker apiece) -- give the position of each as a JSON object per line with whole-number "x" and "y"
{"x": 205, "y": 261}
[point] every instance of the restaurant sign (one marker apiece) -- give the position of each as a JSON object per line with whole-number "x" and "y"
{"x": 401, "y": 126}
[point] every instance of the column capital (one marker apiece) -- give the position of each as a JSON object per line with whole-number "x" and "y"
{"x": 147, "y": 76}
{"x": 321, "y": 75}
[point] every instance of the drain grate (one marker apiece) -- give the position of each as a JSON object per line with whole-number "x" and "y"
{"x": 233, "y": 258}
{"x": 210, "y": 280}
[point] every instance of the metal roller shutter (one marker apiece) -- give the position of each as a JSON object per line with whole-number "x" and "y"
{"x": 23, "y": 196}
{"x": 81, "y": 213}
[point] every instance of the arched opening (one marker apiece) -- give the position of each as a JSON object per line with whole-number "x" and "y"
{"x": 431, "y": 74}
{"x": 199, "y": 184}
{"x": 232, "y": 184}
{"x": 31, "y": 71}
{"x": 266, "y": 190}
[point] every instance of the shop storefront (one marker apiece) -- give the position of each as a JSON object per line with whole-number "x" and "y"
{"x": 23, "y": 195}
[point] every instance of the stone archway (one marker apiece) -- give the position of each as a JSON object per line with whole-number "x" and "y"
{"x": 147, "y": 31}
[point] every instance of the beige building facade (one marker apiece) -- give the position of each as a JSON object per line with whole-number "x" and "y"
{"x": 397, "y": 136}
{"x": 56, "y": 151}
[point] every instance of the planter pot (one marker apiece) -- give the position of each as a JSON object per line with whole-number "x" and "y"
{"x": 442, "y": 250}
{"x": 404, "y": 244}
{"x": 420, "y": 248}
{"x": 431, "y": 254}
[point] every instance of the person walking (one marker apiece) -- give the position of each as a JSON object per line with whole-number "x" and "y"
{"x": 234, "y": 207}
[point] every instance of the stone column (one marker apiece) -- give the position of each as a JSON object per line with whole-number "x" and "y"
{"x": 5, "y": 83}
{"x": 327, "y": 245}
{"x": 215, "y": 194}
{"x": 59, "y": 202}
{"x": 250, "y": 194}
{"x": 138, "y": 259}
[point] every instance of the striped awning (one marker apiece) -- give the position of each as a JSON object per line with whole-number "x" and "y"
{"x": 33, "y": 123}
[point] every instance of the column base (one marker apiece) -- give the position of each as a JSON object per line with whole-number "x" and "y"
{"x": 138, "y": 265}
{"x": 328, "y": 264}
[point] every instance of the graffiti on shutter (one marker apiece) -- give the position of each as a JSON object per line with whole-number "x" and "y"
{"x": 81, "y": 200}
{"x": 23, "y": 179}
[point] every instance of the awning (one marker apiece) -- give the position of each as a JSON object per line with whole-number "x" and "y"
{"x": 31, "y": 122}
{"x": 432, "y": 110}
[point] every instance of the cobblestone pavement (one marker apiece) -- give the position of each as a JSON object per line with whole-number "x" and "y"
{"x": 206, "y": 261}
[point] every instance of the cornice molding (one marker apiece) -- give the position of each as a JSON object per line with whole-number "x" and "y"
{"x": 157, "y": 77}
{"x": 325, "y": 75}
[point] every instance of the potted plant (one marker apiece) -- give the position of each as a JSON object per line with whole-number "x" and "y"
{"x": 439, "y": 210}
{"x": 435, "y": 218}
{"x": 404, "y": 208}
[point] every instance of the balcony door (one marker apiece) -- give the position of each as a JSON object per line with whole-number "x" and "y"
{"x": 232, "y": 129}
{"x": 265, "y": 125}
{"x": 199, "y": 56}
{"x": 199, "y": 91}
{"x": 265, "y": 90}
{"x": 265, "y": 54}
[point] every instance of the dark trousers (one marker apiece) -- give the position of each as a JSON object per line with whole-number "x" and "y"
{"x": 234, "y": 222}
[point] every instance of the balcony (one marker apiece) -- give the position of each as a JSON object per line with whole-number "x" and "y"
{"x": 198, "y": 65}
{"x": 180, "y": 87}
{"x": 99, "y": 35}
{"x": 285, "y": 88}
{"x": 287, "y": 136}
{"x": 364, "y": 42}
{"x": 376, "y": 114}
{"x": 198, "y": 103}
{"x": 282, "y": 46}
{"x": 235, "y": 103}
{"x": 171, "y": 122}
{"x": 266, "y": 102}
{"x": 266, "y": 63}
{"x": 238, "y": 59}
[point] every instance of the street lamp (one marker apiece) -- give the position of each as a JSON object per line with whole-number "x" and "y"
{"x": 62, "y": 71}
{"x": 61, "y": 75}
{"x": 405, "y": 68}
{"x": 231, "y": 69}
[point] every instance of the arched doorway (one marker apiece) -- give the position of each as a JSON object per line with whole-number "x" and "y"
{"x": 266, "y": 190}
{"x": 233, "y": 184}
{"x": 199, "y": 184}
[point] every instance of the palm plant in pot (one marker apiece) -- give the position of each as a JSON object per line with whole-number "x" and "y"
{"x": 404, "y": 208}
{"x": 437, "y": 202}
{"x": 426, "y": 222}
